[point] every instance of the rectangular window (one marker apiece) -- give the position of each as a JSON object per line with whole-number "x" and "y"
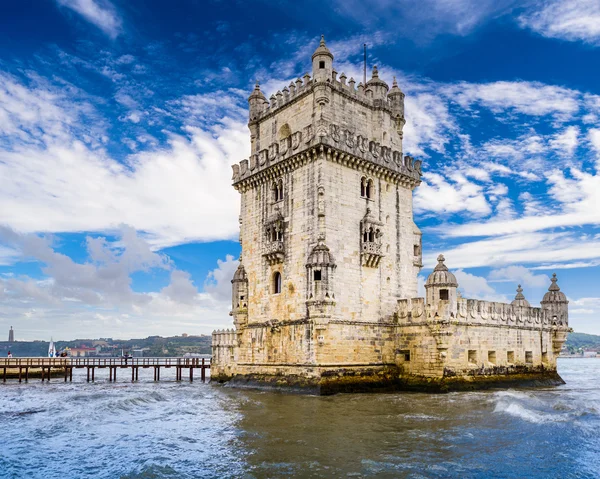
{"x": 528, "y": 356}
{"x": 444, "y": 294}
{"x": 416, "y": 250}
{"x": 405, "y": 353}
{"x": 544, "y": 358}
{"x": 492, "y": 357}
{"x": 317, "y": 275}
{"x": 510, "y": 357}
{"x": 321, "y": 64}
{"x": 472, "y": 356}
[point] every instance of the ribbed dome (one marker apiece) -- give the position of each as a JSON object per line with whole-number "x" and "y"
{"x": 320, "y": 256}
{"x": 520, "y": 300}
{"x": 322, "y": 49}
{"x": 440, "y": 276}
{"x": 376, "y": 80}
{"x": 239, "y": 275}
{"x": 554, "y": 294}
{"x": 257, "y": 93}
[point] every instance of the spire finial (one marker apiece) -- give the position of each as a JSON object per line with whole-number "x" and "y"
{"x": 322, "y": 43}
{"x": 375, "y": 72}
{"x": 441, "y": 258}
{"x": 554, "y": 286}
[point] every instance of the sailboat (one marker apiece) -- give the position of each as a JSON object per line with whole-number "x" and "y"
{"x": 51, "y": 349}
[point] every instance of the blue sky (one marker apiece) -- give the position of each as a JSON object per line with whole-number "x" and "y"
{"x": 119, "y": 122}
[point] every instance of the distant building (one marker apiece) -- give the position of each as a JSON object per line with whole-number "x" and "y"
{"x": 184, "y": 335}
{"x": 11, "y": 335}
{"x": 83, "y": 351}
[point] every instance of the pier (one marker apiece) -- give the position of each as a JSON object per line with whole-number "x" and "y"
{"x": 49, "y": 367}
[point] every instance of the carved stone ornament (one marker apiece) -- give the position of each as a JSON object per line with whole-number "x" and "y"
{"x": 363, "y": 143}
{"x": 296, "y": 139}
{"x": 284, "y": 145}
{"x": 262, "y": 157}
{"x": 308, "y": 133}
{"x": 273, "y": 151}
{"x": 350, "y": 139}
{"x": 335, "y": 132}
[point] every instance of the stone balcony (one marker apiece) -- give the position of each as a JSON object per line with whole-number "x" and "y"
{"x": 274, "y": 252}
{"x": 371, "y": 253}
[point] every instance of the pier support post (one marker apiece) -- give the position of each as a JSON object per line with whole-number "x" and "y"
{"x": 66, "y": 373}
{"x": 88, "y": 374}
{"x": 191, "y": 374}
{"x": 137, "y": 373}
{"x": 42, "y": 374}
{"x": 4, "y": 380}
{"x": 20, "y": 370}
{"x": 49, "y": 373}
{"x": 203, "y": 371}
{"x": 27, "y": 374}
{"x": 132, "y": 374}
{"x": 93, "y": 373}
{"x": 71, "y": 374}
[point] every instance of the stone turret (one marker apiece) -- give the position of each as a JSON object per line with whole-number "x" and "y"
{"x": 322, "y": 62}
{"x": 239, "y": 297}
{"x": 376, "y": 86}
{"x": 520, "y": 301}
{"x": 396, "y": 99}
{"x": 441, "y": 285}
{"x": 257, "y": 103}
{"x": 555, "y": 303}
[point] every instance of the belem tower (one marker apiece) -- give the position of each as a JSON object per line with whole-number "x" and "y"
{"x": 325, "y": 296}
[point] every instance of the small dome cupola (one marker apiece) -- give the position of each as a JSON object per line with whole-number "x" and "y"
{"x": 441, "y": 285}
{"x": 441, "y": 276}
{"x": 322, "y": 62}
{"x": 377, "y": 86}
{"x": 520, "y": 301}
{"x": 554, "y": 294}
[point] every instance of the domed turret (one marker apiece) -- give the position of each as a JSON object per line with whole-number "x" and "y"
{"x": 256, "y": 101}
{"x": 555, "y": 304}
{"x": 319, "y": 268}
{"x": 377, "y": 86}
{"x": 554, "y": 294}
{"x": 520, "y": 300}
{"x": 441, "y": 286}
{"x": 396, "y": 98}
{"x": 322, "y": 61}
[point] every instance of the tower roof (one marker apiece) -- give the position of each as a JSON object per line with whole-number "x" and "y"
{"x": 520, "y": 300}
{"x": 395, "y": 89}
{"x": 375, "y": 80}
{"x": 257, "y": 93}
{"x": 554, "y": 294}
{"x": 320, "y": 255}
{"x": 322, "y": 49}
{"x": 440, "y": 276}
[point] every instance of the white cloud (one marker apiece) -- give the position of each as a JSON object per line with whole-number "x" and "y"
{"x": 566, "y": 20}
{"x": 565, "y": 142}
{"x": 521, "y": 275}
{"x": 96, "y": 297}
{"x": 529, "y": 98}
{"x": 475, "y": 287}
{"x": 101, "y": 13}
{"x": 218, "y": 281}
{"x": 440, "y": 195}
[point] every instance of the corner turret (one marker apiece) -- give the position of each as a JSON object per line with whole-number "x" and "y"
{"x": 555, "y": 303}
{"x": 441, "y": 285}
{"x": 396, "y": 99}
{"x": 322, "y": 62}
{"x": 256, "y": 102}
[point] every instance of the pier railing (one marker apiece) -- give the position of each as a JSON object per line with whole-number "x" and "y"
{"x": 102, "y": 362}
{"x": 49, "y": 367}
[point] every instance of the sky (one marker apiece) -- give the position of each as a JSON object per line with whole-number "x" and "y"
{"x": 119, "y": 122}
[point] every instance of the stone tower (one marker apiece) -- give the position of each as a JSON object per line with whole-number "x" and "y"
{"x": 326, "y": 223}
{"x": 11, "y": 335}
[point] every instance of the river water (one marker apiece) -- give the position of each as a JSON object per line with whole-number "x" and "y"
{"x": 181, "y": 430}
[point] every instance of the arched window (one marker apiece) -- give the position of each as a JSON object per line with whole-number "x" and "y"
{"x": 363, "y": 187}
{"x": 285, "y": 132}
{"x": 371, "y": 235}
{"x": 369, "y": 192}
{"x": 277, "y": 282}
{"x": 277, "y": 190}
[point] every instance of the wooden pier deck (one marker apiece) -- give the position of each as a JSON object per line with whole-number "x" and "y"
{"x": 47, "y": 365}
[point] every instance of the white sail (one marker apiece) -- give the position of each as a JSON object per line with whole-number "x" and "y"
{"x": 51, "y": 349}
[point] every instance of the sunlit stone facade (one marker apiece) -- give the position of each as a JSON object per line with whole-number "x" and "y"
{"x": 325, "y": 294}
